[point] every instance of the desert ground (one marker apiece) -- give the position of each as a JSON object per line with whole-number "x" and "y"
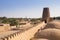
{"x": 14, "y": 30}
{"x": 51, "y": 31}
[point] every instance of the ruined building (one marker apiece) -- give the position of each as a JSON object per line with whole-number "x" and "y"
{"x": 46, "y": 15}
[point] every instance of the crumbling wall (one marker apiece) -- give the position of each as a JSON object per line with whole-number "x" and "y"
{"x": 26, "y": 35}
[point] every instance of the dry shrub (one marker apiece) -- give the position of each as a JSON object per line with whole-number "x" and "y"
{"x": 52, "y": 34}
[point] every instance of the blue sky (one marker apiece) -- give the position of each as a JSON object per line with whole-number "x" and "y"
{"x": 28, "y": 8}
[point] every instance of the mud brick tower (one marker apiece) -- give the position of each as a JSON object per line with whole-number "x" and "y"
{"x": 46, "y": 15}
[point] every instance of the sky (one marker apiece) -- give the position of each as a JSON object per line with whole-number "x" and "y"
{"x": 28, "y": 8}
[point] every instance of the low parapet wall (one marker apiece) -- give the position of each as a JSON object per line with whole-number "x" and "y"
{"x": 26, "y": 35}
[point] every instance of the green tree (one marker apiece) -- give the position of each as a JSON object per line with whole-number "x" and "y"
{"x": 13, "y": 22}
{"x": 4, "y": 20}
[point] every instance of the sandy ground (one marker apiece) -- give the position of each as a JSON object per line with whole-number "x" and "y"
{"x": 6, "y": 33}
{"x": 51, "y": 31}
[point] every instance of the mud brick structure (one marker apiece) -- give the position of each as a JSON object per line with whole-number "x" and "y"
{"x": 46, "y": 15}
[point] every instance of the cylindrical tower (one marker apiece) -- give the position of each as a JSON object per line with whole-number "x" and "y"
{"x": 46, "y": 15}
